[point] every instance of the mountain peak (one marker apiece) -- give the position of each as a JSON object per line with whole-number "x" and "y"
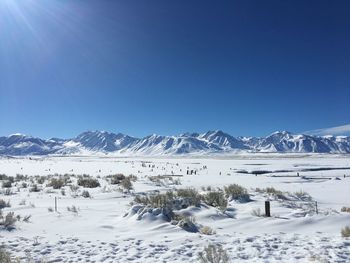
{"x": 210, "y": 142}
{"x": 281, "y": 133}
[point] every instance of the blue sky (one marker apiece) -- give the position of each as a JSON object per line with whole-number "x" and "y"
{"x": 165, "y": 67}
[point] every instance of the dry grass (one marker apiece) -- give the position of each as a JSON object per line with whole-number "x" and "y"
{"x": 207, "y": 230}
{"x": 345, "y": 209}
{"x": 345, "y": 232}
{"x": 213, "y": 254}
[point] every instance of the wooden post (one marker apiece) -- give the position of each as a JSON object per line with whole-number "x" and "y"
{"x": 316, "y": 207}
{"x": 55, "y": 204}
{"x": 267, "y": 209}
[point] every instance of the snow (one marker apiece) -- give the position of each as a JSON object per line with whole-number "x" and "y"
{"x": 157, "y": 145}
{"x": 101, "y": 232}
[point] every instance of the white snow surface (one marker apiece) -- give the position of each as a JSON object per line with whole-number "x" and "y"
{"x": 103, "y": 230}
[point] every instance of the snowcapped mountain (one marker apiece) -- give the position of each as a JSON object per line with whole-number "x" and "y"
{"x": 182, "y": 144}
{"x": 104, "y": 141}
{"x": 287, "y": 142}
{"x": 19, "y": 144}
{"x": 223, "y": 140}
{"x": 92, "y": 142}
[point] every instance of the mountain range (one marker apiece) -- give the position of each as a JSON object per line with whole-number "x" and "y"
{"x": 211, "y": 142}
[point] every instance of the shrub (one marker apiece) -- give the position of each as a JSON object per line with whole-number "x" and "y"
{"x": 4, "y": 204}
{"x": 88, "y": 182}
{"x": 3, "y": 177}
{"x": 21, "y": 177}
{"x": 216, "y": 199}
{"x": 56, "y": 183}
{"x": 34, "y": 188}
{"x": 133, "y": 178}
{"x": 86, "y": 194}
{"x": 181, "y": 199}
{"x": 116, "y": 178}
{"x": 156, "y": 201}
{"x": 50, "y": 209}
{"x": 5, "y": 256}
{"x": 345, "y": 232}
{"x": 190, "y": 196}
{"x": 7, "y": 184}
{"x": 74, "y": 188}
{"x": 127, "y": 184}
{"x": 272, "y": 191}
{"x": 8, "y": 221}
{"x": 213, "y": 254}
{"x": 236, "y": 192}
{"x": 41, "y": 179}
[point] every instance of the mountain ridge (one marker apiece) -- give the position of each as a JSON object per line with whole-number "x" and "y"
{"x": 92, "y": 142}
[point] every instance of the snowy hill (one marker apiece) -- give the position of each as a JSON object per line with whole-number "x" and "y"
{"x": 92, "y": 142}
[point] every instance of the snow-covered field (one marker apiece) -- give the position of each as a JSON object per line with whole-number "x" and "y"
{"x": 107, "y": 228}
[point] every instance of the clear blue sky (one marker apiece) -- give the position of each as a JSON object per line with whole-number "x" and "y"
{"x": 165, "y": 67}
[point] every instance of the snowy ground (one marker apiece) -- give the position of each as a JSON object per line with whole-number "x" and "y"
{"x": 100, "y": 231}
